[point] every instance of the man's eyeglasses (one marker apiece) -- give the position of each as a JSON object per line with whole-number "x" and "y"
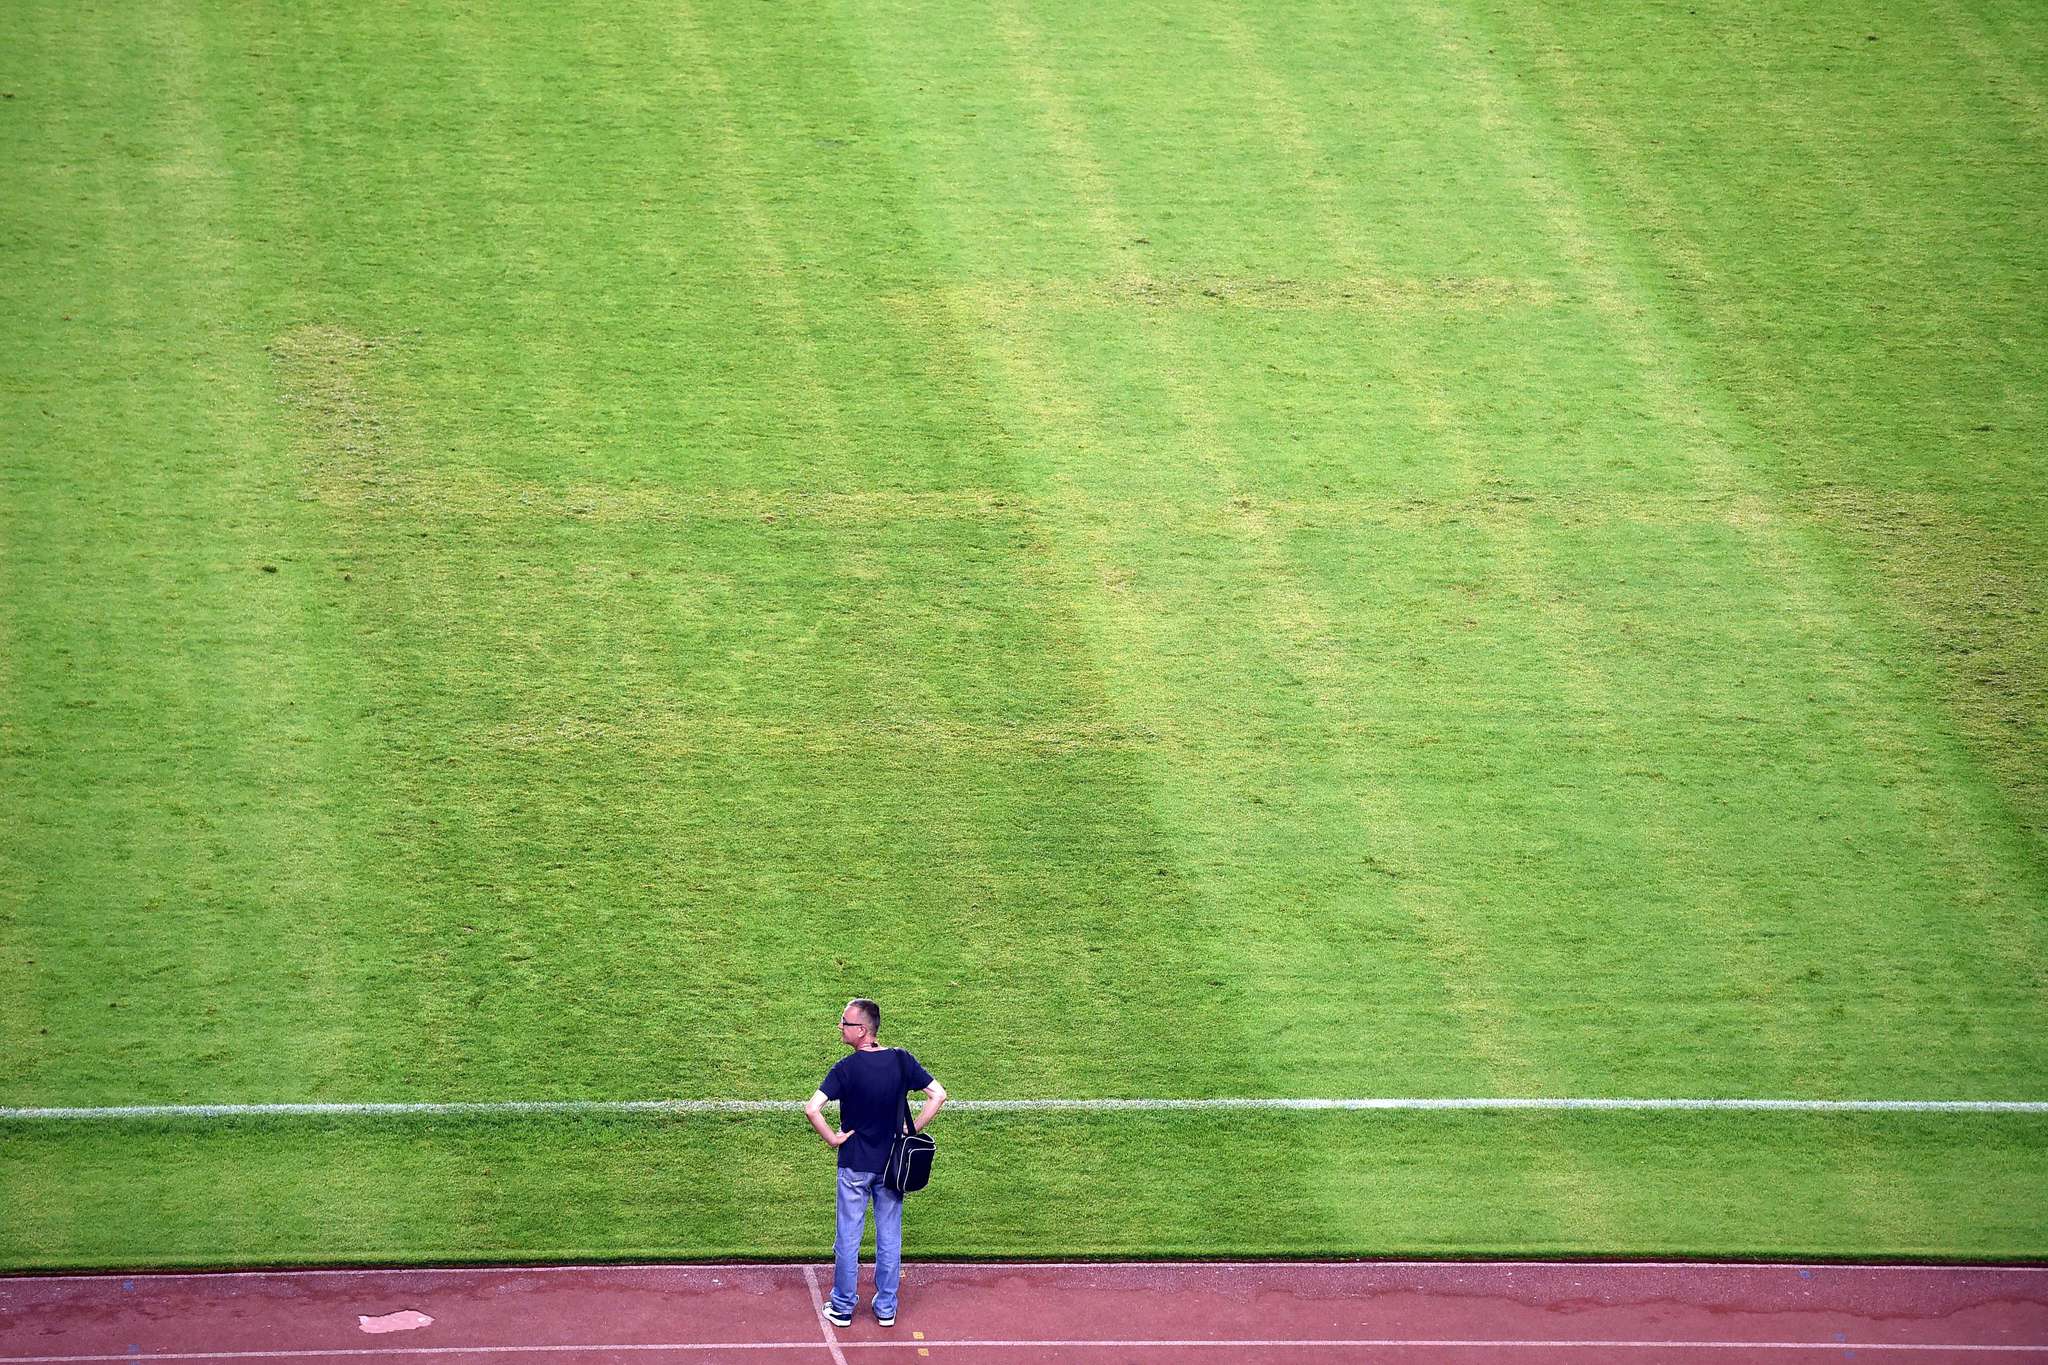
{"x": 853, "y": 1023}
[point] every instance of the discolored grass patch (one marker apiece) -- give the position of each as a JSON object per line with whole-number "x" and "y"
{"x": 1369, "y": 548}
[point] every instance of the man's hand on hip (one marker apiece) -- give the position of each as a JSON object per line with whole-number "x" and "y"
{"x": 814, "y": 1110}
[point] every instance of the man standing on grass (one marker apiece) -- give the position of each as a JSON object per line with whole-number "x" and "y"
{"x": 871, "y": 1086}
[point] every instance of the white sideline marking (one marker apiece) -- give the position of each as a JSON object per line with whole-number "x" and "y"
{"x": 467, "y": 1107}
{"x": 1024, "y": 1343}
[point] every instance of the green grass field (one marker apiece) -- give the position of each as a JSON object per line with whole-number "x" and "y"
{"x": 1374, "y": 549}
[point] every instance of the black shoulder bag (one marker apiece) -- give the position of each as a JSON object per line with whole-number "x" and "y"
{"x": 909, "y": 1167}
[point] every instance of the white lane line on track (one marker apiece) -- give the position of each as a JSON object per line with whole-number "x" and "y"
{"x": 514, "y": 1107}
{"x": 818, "y": 1307}
{"x": 1025, "y": 1343}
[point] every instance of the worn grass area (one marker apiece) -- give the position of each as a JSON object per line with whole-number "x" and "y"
{"x": 1463, "y": 551}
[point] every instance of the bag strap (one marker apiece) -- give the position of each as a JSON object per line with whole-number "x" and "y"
{"x": 903, "y": 1079}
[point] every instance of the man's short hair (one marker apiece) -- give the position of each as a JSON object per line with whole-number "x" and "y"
{"x": 870, "y": 1009}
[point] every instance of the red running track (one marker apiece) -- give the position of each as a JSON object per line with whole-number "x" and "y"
{"x": 1505, "y": 1313}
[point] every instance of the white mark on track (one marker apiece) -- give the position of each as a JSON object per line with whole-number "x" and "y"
{"x": 404, "y": 1320}
{"x": 1102, "y": 1343}
{"x": 818, "y": 1305}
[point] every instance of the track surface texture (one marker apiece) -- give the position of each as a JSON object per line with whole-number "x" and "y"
{"x": 1263, "y": 1311}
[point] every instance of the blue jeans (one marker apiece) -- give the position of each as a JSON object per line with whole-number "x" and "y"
{"x": 856, "y": 1190}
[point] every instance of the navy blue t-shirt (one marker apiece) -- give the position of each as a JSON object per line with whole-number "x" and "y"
{"x": 870, "y": 1087}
